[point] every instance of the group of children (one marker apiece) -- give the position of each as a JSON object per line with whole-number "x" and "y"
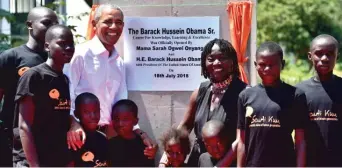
{"x": 269, "y": 112}
{"x": 124, "y": 150}
{"x": 176, "y": 145}
{"x": 267, "y": 115}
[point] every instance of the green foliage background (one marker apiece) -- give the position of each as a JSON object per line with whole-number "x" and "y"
{"x": 293, "y": 24}
{"x": 9, "y": 41}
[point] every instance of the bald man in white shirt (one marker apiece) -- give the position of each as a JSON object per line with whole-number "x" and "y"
{"x": 96, "y": 67}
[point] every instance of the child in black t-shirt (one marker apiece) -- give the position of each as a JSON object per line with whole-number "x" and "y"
{"x": 324, "y": 99}
{"x": 43, "y": 101}
{"x": 14, "y": 63}
{"x": 94, "y": 151}
{"x": 126, "y": 149}
{"x": 215, "y": 139}
{"x": 267, "y": 115}
{"x": 176, "y": 145}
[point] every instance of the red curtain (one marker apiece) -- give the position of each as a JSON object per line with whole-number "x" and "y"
{"x": 240, "y": 17}
{"x": 90, "y": 30}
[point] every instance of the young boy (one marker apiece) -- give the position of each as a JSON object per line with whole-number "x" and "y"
{"x": 43, "y": 101}
{"x": 268, "y": 113}
{"x": 127, "y": 149}
{"x": 13, "y": 64}
{"x": 94, "y": 151}
{"x": 215, "y": 139}
{"x": 323, "y": 94}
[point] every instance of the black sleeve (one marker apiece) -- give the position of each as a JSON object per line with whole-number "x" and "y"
{"x": 241, "y": 112}
{"x": 27, "y": 85}
{"x": 205, "y": 161}
{"x": 300, "y": 115}
{"x": 7, "y": 64}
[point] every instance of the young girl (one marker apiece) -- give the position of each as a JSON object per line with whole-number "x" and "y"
{"x": 176, "y": 145}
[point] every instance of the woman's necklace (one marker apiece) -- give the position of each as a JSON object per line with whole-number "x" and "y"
{"x": 221, "y": 87}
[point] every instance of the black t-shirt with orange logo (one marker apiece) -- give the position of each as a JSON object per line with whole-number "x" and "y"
{"x": 94, "y": 151}
{"x": 50, "y": 92}
{"x": 324, "y": 140}
{"x": 268, "y": 116}
{"x": 13, "y": 63}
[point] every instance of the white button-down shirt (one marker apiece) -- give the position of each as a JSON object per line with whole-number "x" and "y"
{"x": 93, "y": 70}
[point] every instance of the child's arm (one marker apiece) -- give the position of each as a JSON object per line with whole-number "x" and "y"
{"x": 241, "y": 157}
{"x": 26, "y": 117}
{"x": 300, "y": 146}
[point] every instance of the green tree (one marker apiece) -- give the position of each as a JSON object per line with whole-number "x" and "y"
{"x": 294, "y": 23}
{"x": 9, "y": 41}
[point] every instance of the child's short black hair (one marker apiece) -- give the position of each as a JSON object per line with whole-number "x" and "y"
{"x": 50, "y": 34}
{"x": 180, "y": 136}
{"x": 324, "y": 36}
{"x": 271, "y": 47}
{"x": 128, "y": 103}
{"x": 227, "y": 50}
{"x": 80, "y": 99}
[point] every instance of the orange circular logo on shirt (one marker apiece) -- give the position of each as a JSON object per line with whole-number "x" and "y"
{"x": 54, "y": 94}
{"x": 249, "y": 111}
{"x": 88, "y": 156}
{"x": 23, "y": 70}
